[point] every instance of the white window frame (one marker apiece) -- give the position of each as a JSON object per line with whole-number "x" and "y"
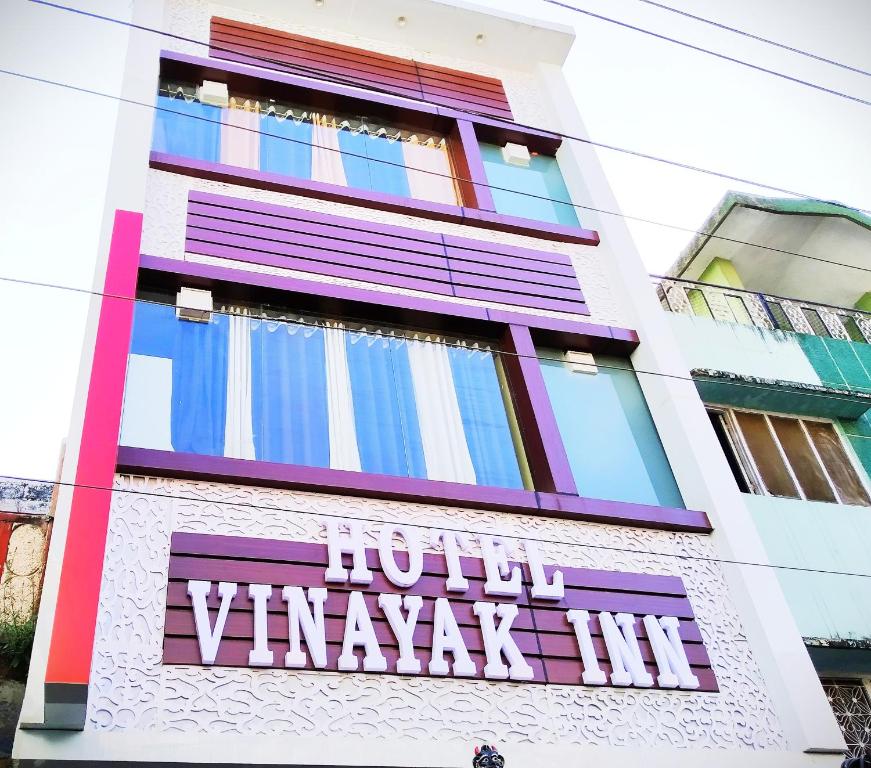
{"x": 751, "y": 472}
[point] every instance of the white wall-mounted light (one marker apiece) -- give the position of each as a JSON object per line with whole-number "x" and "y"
{"x": 516, "y": 154}
{"x": 480, "y": 38}
{"x": 401, "y": 22}
{"x": 214, "y": 94}
{"x": 194, "y": 304}
{"x": 581, "y": 362}
{"x": 319, "y": 3}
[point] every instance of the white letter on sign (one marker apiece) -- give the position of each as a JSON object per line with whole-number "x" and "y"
{"x": 299, "y": 615}
{"x": 446, "y": 636}
{"x": 499, "y": 641}
{"x": 260, "y": 655}
{"x": 623, "y": 650}
{"x": 671, "y": 659}
{"x": 392, "y": 571}
{"x": 209, "y": 639}
{"x": 359, "y": 631}
{"x": 452, "y": 543}
{"x": 495, "y": 552}
{"x": 406, "y": 664}
{"x": 592, "y": 674}
{"x": 541, "y": 590}
{"x": 351, "y": 543}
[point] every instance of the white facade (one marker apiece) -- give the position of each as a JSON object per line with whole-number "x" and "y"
{"x": 770, "y": 710}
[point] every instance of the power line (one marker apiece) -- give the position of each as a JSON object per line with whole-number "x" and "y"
{"x": 460, "y": 179}
{"x": 344, "y": 81}
{"x": 423, "y": 526}
{"x": 499, "y": 352}
{"x": 758, "y": 38}
{"x": 709, "y": 52}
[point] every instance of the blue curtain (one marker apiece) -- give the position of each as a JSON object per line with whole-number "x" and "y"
{"x": 286, "y": 147}
{"x": 199, "y": 386}
{"x": 387, "y": 166}
{"x": 289, "y": 397}
{"x": 353, "y": 147}
{"x": 154, "y": 328}
{"x": 385, "y": 413}
{"x": 485, "y": 421}
{"x": 187, "y": 128}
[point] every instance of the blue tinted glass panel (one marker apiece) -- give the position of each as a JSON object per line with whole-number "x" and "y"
{"x": 537, "y": 192}
{"x": 612, "y": 444}
{"x": 285, "y": 147}
{"x": 387, "y": 166}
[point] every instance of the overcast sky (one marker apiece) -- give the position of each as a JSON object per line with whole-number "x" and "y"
{"x": 633, "y": 91}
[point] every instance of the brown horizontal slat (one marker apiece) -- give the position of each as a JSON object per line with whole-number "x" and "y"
{"x": 261, "y": 46}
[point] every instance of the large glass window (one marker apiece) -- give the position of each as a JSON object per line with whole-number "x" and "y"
{"x": 300, "y": 142}
{"x": 537, "y": 191}
{"x": 255, "y": 384}
{"x": 785, "y": 456}
{"x": 612, "y": 444}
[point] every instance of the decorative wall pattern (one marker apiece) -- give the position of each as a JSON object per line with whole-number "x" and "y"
{"x": 131, "y": 689}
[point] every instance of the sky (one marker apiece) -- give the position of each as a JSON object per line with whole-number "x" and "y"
{"x": 633, "y": 91}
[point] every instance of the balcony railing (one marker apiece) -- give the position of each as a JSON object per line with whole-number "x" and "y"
{"x": 732, "y": 305}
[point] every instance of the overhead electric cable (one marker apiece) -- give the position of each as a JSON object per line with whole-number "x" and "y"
{"x": 709, "y": 52}
{"x": 758, "y": 38}
{"x": 424, "y": 526}
{"x": 828, "y": 396}
{"x": 282, "y": 66}
{"x": 605, "y": 212}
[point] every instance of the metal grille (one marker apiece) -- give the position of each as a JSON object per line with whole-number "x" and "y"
{"x": 851, "y": 704}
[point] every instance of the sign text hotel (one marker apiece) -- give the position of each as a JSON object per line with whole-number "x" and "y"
{"x": 339, "y": 606}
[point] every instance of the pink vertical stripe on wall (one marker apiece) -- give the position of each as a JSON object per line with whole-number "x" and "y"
{"x": 240, "y": 138}
{"x": 326, "y": 156}
{"x": 75, "y": 619}
{"x": 429, "y": 173}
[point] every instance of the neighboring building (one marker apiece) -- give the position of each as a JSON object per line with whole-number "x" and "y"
{"x": 773, "y": 314}
{"x": 383, "y": 464}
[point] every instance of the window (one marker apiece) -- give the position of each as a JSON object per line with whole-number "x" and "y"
{"x": 609, "y": 435}
{"x": 851, "y": 704}
{"x": 789, "y": 457}
{"x": 534, "y": 192}
{"x": 255, "y": 384}
{"x": 299, "y": 142}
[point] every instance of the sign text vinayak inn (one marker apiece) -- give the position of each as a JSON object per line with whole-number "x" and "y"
{"x": 235, "y": 601}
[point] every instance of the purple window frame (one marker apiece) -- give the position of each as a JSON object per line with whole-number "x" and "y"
{"x": 555, "y": 494}
{"x": 463, "y": 132}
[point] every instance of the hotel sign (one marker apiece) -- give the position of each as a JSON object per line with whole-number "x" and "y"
{"x": 339, "y": 606}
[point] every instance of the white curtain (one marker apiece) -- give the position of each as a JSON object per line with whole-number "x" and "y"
{"x": 147, "y": 413}
{"x": 437, "y": 186}
{"x": 344, "y": 453}
{"x": 326, "y": 158}
{"x": 240, "y": 138}
{"x": 441, "y": 424}
{"x": 238, "y": 430}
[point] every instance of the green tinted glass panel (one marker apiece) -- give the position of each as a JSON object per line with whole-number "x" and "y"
{"x": 698, "y": 302}
{"x": 816, "y": 322}
{"x": 739, "y": 310}
{"x": 781, "y": 321}
{"x": 537, "y": 192}
{"x": 612, "y": 444}
{"x": 852, "y": 328}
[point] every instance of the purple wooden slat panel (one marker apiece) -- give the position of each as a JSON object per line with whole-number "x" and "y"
{"x": 259, "y": 572}
{"x": 320, "y": 254}
{"x": 615, "y": 581}
{"x": 568, "y": 672}
{"x": 234, "y": 653}
{"x": 337, "y": 606}
{"x": 306, "y": 265}
{"x": 504, "y": 297}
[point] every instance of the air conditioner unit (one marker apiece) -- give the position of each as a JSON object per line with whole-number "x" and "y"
{"x": 194, "y": 304}
{"x": 213, "y": 93}
{"x": 516, "y": 154}
{"x": 581, "y": 362}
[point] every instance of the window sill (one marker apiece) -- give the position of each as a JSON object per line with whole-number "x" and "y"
{"x": 412, "y": 490}
{"x": 276, "y": 182}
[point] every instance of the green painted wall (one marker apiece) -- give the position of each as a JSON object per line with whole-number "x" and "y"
{"x": 825, "y": 537}
{"x": 721, "y": 272}
{"x": 845, "y": 364}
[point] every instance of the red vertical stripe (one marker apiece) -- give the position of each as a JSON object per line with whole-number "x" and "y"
{"x": 72, "y": 640}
